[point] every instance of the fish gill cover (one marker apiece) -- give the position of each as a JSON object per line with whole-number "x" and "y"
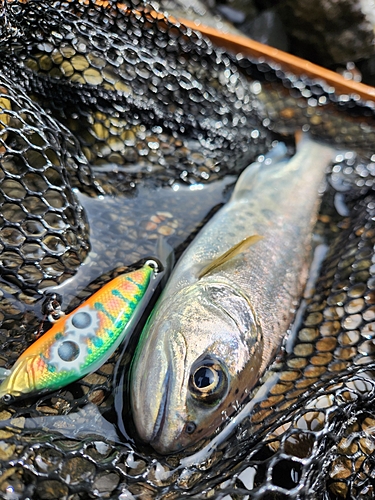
{"x": 98, "y": 99}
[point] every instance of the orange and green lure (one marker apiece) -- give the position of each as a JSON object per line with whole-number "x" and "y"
{"x": 80, "y": 342}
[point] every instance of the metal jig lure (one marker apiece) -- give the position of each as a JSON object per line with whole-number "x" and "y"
{"x": 80, "y": 342}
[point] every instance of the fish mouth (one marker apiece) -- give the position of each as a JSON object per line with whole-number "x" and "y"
{"x": 160, "y": 419}
{"x": 157, "y": 390}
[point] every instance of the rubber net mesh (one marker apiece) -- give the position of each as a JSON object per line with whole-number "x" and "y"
{"x": 98, "y": 100}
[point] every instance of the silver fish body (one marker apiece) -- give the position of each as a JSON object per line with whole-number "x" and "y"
{"x": 211, "y": 336}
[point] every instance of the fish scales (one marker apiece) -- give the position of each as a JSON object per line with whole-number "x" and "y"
{"x": 260, "y": 206}
{"x": 235, "y": 315}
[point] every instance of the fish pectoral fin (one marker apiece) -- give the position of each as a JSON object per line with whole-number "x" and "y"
{"x": 229, "y": 254}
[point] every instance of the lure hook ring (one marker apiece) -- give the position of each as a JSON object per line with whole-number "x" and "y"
{"x": 152, "y": 263}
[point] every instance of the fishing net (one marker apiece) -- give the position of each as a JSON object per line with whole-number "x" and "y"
{"x": 134, "y": 90}
{"x": 44, "y": 233}
{"x": 97, "y": 103}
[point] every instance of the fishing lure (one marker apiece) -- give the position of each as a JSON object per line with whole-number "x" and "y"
{"x": 80, "y": 342}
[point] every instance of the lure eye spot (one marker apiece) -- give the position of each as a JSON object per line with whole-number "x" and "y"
{"x": 81, "y": 320}
{"x": 7, "y": 398}
{"x": 68, "y": 350}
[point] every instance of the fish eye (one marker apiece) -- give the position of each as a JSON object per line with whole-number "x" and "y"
{"x": 190, "y": 427}
{"x": 208, "y": 380}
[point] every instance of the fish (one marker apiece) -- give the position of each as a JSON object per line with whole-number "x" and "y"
{"x": 83, "y": 340}
{"x": 228, "y": 302}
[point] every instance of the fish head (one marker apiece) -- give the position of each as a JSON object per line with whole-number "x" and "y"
{"x": 198, "y": 355}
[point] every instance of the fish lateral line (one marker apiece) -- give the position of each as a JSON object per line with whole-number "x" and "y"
{"x": 235, "y": 250}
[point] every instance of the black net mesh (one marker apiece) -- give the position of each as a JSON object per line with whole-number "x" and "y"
{"x": 106, "y": 112}
{"x": 154, "y": 99}
{"x": 44, "y": 232}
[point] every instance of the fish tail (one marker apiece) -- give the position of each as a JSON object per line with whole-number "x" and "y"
{"x": 312, "y": 151}
{"x": 249, "y": 176}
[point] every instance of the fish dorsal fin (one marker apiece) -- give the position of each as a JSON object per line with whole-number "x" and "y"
{"x": 229, "y": 254}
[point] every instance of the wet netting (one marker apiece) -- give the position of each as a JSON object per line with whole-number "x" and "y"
{"x": 101, "y": 106}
